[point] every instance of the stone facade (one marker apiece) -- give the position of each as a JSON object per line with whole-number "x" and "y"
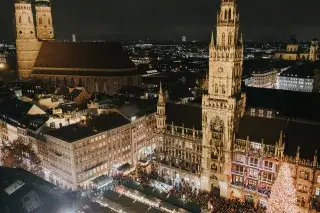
{"x": 92, "y": 84}
{"x": 44, "y": 25}
{"x": 27, "y": 43}
{"x": 213, "y": 157}
{"x": 71, "y": 165}
{"x": 96, "y": 66}
{"x": 292, "y": 53}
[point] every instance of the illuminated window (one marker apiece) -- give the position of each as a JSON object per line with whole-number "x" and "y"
{"x": 304, "y": 175}
{"x": 223, "y": 39}
{"x": 229, "y": 38}
{"x": 216, "y": 88}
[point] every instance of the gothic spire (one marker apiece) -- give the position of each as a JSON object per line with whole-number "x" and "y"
{"x": 212, "y": 38}
{"x": 161, "y": 99}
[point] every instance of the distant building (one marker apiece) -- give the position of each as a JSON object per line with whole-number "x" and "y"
{"x": 97, "y": 66}
{"x": 74, "y": 38}
{"x": 294, "y": 52}
{"x": 263, "y": 79}
{"x": 300, "y": 78}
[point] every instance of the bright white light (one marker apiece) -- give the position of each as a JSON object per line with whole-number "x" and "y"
{"x": 133, "y": 118}
{"x": 2, "y": 65}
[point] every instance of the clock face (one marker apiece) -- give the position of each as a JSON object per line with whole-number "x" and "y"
{"x": 220, "y": 70}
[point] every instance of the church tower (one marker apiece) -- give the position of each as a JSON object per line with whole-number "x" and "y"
{"x": 44, "y": 20}
{"x": 161, "y": 110}
{"x": 313, "y": 56}
{"x": 26, "y": 42}
{"x": 224, "y": 104}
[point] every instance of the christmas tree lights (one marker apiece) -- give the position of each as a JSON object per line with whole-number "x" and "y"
{"x": 283, "y": 196}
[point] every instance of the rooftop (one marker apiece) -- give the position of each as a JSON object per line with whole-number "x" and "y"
{"x": 289, "y": 104}
{"x": 296, "y": 133}
{"x": 302, "y": 70}
{"x": 188, "y": 115}
{"x": 94, "y": 125}
{"x": 138, "y": 108}
{"x": 83, "y": 55}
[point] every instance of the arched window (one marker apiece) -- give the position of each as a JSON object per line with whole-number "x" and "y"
{"x": 49, "y": 21}
{"x": 29, "y": 19}
{"x": 65, "y": 81}
{"x": 96, "y": 85}
{"x": 216, "y": 90}
{"x": 229, "y": 14}
{"x": 40, "y": 20}
{"x": 20, "y": 19}
{"x": 104, "y": 85}
{"x": 72, "y": 82}
{"x": 223, "y": 41}
{"x": 88, "y": 84}
{"x": 223, "y": 88}
{"x": 229, "y": 38}
{"x": 226, "y": 14}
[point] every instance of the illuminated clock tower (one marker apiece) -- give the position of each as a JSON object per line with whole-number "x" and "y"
{"x": 224, "y": 104}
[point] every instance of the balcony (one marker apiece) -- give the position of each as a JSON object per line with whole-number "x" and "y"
{"x": 237, "y": 184}
{"x": 254, "y": 165}
{"x": 237, "y": 172}
{"x": 239, "y": 162}
{"x": 251, "y": 187}
{"x": 266, "y": 180}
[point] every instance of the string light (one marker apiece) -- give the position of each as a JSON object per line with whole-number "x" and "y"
{"x": 283, "y": 196}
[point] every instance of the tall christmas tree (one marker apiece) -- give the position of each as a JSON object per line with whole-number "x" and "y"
{"x": 283, "y": 196}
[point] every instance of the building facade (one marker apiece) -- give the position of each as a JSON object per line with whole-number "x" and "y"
{"x": 27, "y": 43}
{"x": 294, "y": 53}
{"x": 97, "y": 66}
{"x": 73, "y": 156}
{"x": 220, "y": 146}
{"x": 263, "y": 79}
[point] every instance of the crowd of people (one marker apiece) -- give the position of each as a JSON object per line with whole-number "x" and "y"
{"x": 213, "y": 200}
{"x": 222, "y": 205}
{"x": 190, "y": 194}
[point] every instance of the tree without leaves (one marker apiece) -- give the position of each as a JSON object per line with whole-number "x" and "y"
{"x": 21, "y": 155}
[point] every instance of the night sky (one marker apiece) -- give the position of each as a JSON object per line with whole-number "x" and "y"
{"x": 171, "y": 19}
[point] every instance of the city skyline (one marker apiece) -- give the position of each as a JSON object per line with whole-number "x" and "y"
{"x": 171, "y": 20}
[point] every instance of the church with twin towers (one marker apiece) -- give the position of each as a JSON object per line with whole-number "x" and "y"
{"x": 95, "y": 66}
{"x": 224, "y": 145}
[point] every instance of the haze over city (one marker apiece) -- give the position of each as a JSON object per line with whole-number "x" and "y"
{"x": 169, "y": 20}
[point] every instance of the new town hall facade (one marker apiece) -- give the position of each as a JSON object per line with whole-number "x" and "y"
{"x": 222, "y": 145}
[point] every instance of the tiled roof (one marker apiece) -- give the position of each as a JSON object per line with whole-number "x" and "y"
{"x": 188, "y": 115}
{"x": 85, "y": 55}
{"x": 94, "y": 126}
{"x": 287, "y": 103}
{"x": 296, "y": 133}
